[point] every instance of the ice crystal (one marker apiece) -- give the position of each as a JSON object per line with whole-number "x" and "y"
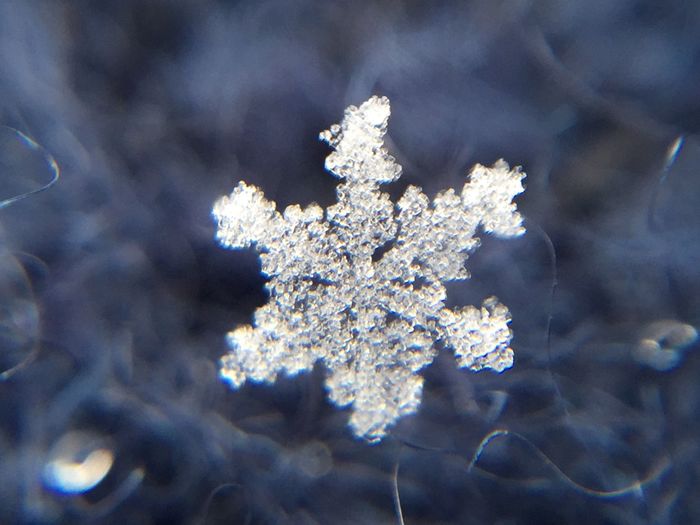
{"x": 360, "y": 287}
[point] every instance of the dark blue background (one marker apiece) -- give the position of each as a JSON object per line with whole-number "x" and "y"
{"x": 153, "y": 109}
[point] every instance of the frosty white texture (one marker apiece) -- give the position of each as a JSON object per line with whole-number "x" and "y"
{"x": 373, "y": 323}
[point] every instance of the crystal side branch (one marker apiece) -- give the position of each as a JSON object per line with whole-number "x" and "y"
{"x": 372, "y": 321}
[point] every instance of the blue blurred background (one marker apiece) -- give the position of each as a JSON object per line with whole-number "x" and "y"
{"x": 116, "y": 299}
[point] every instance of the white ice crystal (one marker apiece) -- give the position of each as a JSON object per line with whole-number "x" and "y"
{"x": 371, "y": 318}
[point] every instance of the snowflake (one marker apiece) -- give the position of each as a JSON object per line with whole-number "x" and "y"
{"x": 360, "y": 287}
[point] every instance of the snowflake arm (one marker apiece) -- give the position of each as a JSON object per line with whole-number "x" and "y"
{"x": 372, "y": 321}
{"x": 246, "y": 218}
